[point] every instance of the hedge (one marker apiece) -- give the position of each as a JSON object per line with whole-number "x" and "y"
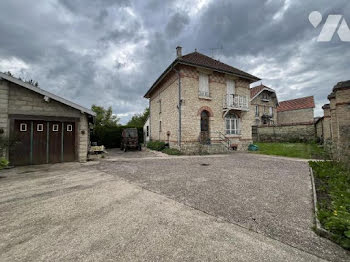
{"x": 156, "y": 145}
{"x": 111, "y": 137}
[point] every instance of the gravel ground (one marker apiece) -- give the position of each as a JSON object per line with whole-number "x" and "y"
{"x": 268, "y": 195}
{"x": 154, "y": 208}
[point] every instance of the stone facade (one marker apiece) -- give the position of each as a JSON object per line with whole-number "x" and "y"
{"x": 326, "y": 123}
{"x": 299, "y": 116}
{"x": 17, "y": 100}
{"x": 164, "y": 113}
{"x": 264, "y": 101}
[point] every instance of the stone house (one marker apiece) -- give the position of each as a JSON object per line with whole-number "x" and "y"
{"x": 201, "y": 101}
{"x": 46, "y": 128}
{"x": 298, "y": 111}
{"x": 264, "y": 103}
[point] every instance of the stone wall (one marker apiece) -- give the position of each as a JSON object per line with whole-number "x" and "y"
{"x": 286, "y": 133}
{"x": 299, "y": 116}
{"x": 22, "y": 101}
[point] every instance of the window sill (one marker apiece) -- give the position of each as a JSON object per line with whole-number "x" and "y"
{"x": 205, "y": 97}
{"x": 233, "y": 136}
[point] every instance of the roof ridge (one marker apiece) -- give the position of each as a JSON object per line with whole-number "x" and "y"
{"x": 296, "y": 99}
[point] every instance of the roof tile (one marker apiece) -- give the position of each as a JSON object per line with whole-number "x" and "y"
{"x": 295, "y": 104}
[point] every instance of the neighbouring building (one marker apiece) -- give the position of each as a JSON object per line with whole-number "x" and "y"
{"x": 296, "y": 111}
{"x": 46, "y": 128}
{"x": 264, "y": 103}
{"x": 201, "y": 102}
{"x": 294, "y": 122}
{"x": 339, "y": 112}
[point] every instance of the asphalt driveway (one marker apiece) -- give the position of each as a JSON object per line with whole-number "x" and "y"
{"x": 217, "y": 208}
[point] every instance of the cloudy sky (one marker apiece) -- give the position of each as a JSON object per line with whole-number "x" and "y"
{"x": 109, "y": 52}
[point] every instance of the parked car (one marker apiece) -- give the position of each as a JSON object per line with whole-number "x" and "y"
{"x": 130, "y": 139}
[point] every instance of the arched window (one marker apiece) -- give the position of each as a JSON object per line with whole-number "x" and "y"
{"x": 233, "y": 125}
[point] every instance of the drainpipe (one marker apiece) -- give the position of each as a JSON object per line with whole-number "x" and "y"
{"x": 179, "y": 104}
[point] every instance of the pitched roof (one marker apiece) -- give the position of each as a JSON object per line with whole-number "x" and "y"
{"x": 256, "y": 90}
{"x": 200, "y": 60}
{"x": 45, "y": 93}
{"x": 295, "y": 104}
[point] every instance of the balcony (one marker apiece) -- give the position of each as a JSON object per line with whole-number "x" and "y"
{"x": 236, "y": 102}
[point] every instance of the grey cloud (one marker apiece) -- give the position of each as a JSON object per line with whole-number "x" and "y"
{"x": 176, "y": 24}
{"x": 69, "y": 46}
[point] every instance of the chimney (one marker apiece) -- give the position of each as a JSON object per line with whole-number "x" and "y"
{"x": 179, "y": 52}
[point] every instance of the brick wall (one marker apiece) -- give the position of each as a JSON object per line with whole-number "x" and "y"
{"x": 286, "y": 133}
{"x": 296, "y": 116}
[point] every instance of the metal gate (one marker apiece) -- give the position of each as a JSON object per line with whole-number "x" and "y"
{"x": 42, "y": 142}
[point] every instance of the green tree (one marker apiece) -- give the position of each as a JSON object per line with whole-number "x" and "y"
{"x": 105, "y": 117}
{"x": 138, "y": 120}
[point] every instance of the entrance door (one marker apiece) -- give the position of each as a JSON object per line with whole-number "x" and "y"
{"x": 204, "y": 136}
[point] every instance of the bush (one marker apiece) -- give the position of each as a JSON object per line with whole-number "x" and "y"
{"x": 111, "y": 137}
{"x": 172, "y": 151}
{"x": 332, "y": 181}
{"x": 156, "y": 145}
{"x": 3, "y": 163}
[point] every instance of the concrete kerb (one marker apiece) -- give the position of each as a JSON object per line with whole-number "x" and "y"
{"x": 318, "y": 227}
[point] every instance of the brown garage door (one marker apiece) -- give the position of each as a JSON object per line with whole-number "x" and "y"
{"x": 41, "y": 142}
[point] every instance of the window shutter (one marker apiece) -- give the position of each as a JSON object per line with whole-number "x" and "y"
{"x": 203, "y": 84}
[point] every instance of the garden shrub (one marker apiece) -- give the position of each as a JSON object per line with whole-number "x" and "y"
{"x": 111, "y": 136}
{"x": 3, "y": 163}
{"x": 171, "y": 151}
{"x": 156, "y": 145}
{"x": 332, "y": 181}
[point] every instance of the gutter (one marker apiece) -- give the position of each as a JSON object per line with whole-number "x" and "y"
{"x": 179, "y": 104}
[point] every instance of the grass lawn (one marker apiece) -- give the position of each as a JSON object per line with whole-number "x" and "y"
{"x": 300, "y": 150}
{"x": 332, "y": 182}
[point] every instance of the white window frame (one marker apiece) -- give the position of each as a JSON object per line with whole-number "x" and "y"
{"x": 203, "y": 88}
{"x": 271, "y": 111}
{"x": 69, "y": 128}
{"x": 147, "y": 131}
{"x": 256, "y": 110}
{"x": 40, "y": 127}
{"x": 232, "y": 125}
{"x": 55, "y": 128}
{"x": 23, "y": 127}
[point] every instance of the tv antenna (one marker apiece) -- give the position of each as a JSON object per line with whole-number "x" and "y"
{"x": 215, "y": 49}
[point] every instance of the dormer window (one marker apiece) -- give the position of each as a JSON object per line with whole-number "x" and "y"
{"x": 265, "y": 96}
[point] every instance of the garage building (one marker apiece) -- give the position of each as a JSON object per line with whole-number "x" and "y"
{"x": 46, "y": 128}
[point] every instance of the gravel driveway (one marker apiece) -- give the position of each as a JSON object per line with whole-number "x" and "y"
{"x": 153, "y": 208}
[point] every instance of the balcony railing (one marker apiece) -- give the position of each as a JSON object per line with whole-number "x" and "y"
{"x": 237, "y": 102}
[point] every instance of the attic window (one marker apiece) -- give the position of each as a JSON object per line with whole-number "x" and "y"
{"x": 55, "y": 128}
